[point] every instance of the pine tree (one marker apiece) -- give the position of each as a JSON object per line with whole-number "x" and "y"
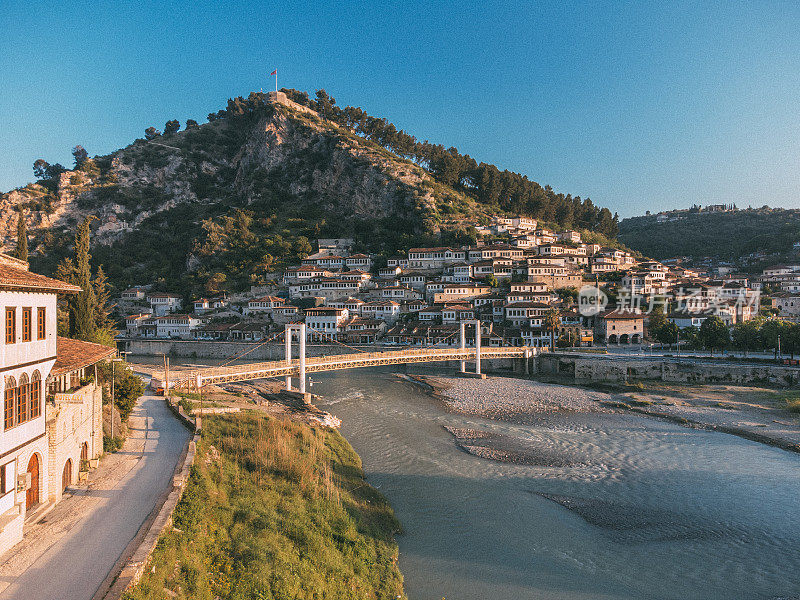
{"x": 65, "y": 272}
{"x": 82, "y": 322}
{"x": 104, "y": 327}
{"x": 21, "y": 251}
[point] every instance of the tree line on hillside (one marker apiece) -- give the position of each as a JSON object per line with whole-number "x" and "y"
{"x": 504, "y": 190}
{"x": 724, "y": 235}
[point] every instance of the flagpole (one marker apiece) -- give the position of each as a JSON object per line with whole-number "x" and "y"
{"x": 276, "y": 81}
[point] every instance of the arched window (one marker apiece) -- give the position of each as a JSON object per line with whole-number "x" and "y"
{"x": 8, "y": 404}
{"x": 22, "y": 399}
{"x": 36, "y": 394}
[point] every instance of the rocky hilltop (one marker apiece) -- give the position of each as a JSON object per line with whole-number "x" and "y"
{"x": 230, "y": 202}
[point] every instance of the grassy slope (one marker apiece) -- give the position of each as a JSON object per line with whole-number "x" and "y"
{"x": 276, "y": 509}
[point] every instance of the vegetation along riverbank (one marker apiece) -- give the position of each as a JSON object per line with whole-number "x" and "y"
{"x": 274, "y": 509}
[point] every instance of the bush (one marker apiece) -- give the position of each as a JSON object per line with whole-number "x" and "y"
{"x": 187, "y": 405}
{"x": 112, "y": 444}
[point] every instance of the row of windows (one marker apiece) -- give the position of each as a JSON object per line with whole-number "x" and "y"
{"x": 22, "y": 402}
{"x": 27, "y": 324}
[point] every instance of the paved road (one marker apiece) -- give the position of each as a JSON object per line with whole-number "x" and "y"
{"x": 77, "y": 564}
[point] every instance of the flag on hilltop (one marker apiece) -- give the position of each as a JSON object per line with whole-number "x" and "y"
{"x": 275, "y": 72}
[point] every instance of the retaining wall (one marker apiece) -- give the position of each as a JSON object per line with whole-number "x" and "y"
{"x": 586, "y": 368}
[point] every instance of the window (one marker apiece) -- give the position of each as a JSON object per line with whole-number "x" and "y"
{"x": 27, "y": 323}
{"x": 11, "y": 325}
{"x": 8, "y": 404}
{"x": 36, "y": 395}
{"x": 22, "y": 397}
{"x": 41, "y": 329}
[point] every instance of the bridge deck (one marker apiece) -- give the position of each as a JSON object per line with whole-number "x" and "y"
{"x": 334, "y": 362}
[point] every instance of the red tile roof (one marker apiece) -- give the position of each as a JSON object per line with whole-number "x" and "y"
{"x": 76, "y": 354}
{"x": 14, "y": 275}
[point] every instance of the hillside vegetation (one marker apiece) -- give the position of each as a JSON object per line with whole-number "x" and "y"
{"x": 222, "y": 205}
{"x": 275, "y": 509}
{"x": 721, "y": 235}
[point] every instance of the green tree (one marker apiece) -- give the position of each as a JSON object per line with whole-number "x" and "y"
{"x": 691, "y": 336}
{"x": 491, "y": 280}
{"x": 151, "y": 133}
{"x": 80, "y": 155}
{"x": 771, "y": 330}
{"x": 656, "y": 321}
{"x": 667, "y": 333}
{"x": 746, "y": 335}
{"x": 714, "y": 334}
{"x": 128, "y": 387}
{"x": 21, "y": 251}
{"x": 82, "y": 323}
{"x": 104, "y": 327}
{"x": 172, "y": 126}
{"x": 552, "y": 321}
{"x": 40, "y": 167}
{"x": 191, "y": 124}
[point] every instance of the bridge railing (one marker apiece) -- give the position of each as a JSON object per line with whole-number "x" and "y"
{"x": 350, "y": 358}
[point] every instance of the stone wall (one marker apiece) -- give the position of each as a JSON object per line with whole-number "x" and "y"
{"x": 73, "y": 419}
{"x": 615, "y": 370}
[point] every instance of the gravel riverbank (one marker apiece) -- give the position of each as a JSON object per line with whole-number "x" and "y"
{"x": 758, "y": 414}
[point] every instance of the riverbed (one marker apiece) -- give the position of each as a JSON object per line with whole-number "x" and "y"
{"x": 580, "y": 505}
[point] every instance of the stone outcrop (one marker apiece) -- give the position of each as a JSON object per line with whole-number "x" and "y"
{"x": 288, "y": 153}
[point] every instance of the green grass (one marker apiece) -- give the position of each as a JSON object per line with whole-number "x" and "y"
{"x": 275, "y": 510}
{"x": 793, "y": 404}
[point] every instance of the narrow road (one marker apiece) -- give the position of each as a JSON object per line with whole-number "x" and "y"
{"x": 109, "y": 516}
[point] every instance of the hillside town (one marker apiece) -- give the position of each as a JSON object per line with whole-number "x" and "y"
{"x": 523, "y": 281}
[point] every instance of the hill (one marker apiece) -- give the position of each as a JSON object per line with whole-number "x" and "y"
{"x": 723, "y": 235}
{"x": 224, "y": 204}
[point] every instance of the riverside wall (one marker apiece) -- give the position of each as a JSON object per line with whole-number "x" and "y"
{"x": 615, "y": 370}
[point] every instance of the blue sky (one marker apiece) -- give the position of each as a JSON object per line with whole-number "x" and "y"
{"x": 636, "y": 107}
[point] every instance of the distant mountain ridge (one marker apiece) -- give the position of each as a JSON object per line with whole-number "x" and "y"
{"x": 721, "y": 233}
{"x": 223, "y": 204}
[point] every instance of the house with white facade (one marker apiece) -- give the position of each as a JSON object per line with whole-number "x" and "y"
{"x": 34, "y": 438}
{"x": 325, "y": 323}
{"x": 265, "y": 304}
{"x": 162, "y": 303}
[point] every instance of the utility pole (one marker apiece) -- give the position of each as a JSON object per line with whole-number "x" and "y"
{"x": 112, "y": 399}
{"x": 166, "y": 376}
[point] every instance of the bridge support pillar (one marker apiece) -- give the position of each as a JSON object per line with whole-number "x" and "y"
{"x": 527, "y": 359}
{"x": 288, "y": 335}
{"x": 478, "y": 347}
{"x": 463, "y": 345}
{"x": 302, "y": 358}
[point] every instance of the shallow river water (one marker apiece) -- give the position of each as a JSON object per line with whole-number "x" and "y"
{"x": 642, "y": 509}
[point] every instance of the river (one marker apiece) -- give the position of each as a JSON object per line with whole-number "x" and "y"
{"x": 640, "y": 509}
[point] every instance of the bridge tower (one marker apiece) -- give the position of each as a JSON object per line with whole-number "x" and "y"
{"x": 300, "y": 328}
{"x": 477, "y": 324}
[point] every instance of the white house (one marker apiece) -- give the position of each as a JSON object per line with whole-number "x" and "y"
{"x": 325, "y": 323}
{"x": 265, "y": 304}
{"x": 363, "y": 262}
{"x": 176, "y": 326}
{"x": 134, "y": 293}
{"x": 381, "y": 310}
{"x": 30, "y": 452}
{"x": 162, "y": 303}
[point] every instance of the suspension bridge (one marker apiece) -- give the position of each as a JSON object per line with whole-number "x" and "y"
{"x": 356, "y": 358}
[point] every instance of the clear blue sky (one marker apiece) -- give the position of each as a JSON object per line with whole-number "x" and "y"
{"x": 638, "y": 108}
